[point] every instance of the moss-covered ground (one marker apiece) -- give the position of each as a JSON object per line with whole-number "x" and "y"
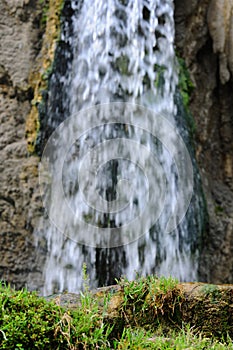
{"x": 148, "y": 313}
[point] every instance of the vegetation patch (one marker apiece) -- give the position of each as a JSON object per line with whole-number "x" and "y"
{"x": 30, "y": 322}
{"x": 186, "y": 85}
{"x": 148, "y": 313}
{"x": 151, "y": 302}
{"x": 50, "y": 22}
{"x": 185, "y": 89}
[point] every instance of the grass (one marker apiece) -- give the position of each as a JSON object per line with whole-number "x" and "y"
{"x": 138, "y": 339}
{"x": 29, "y": 322}
{"x": 147, "y": 316}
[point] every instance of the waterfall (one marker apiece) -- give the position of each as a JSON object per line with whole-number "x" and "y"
{"x": 110, "y": 173}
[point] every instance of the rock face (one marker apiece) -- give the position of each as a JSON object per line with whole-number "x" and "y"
{"x": 220, "y": 23}
{"x": 203, "y": 38}
{"x": 20, "y": 204}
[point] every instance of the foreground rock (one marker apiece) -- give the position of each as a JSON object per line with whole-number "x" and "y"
{"x": 207, "y": 308}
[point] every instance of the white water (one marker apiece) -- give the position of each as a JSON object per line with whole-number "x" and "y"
{"x": 118, "y": 47}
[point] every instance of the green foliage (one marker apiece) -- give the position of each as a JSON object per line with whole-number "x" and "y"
{"x": 150, "y": 301}
{"x": 209, "y": 289}
{"x": 134, "y": 290}
{"x": 44, "y": 4}
{"x": 165, "y": 284}
{"x": 85, "y": 278}
{"x": 185, "y": 89}
{"x": 26, "y": 321}
{"x": 185, "y": 83}
{"x": 46, "y": 75}
{"x": 212, "y": 291}
{"x": 30, "y": 322}
{"x": 139, "y": 339}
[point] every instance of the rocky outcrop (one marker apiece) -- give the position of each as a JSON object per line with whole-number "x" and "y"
{"x": 20, "y": 204}
{"x": 202, "y": 36}
{"x": 40, "y": 73}
{"x": 29, "y": 30}
{"x": 220, "y": 23}
{"x": 198, "y": 305}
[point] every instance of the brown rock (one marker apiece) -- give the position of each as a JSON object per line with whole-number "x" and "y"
{"x": 211, "y": 106}
{"x": 19, "y": 185}
{"x": 220, "y": 18}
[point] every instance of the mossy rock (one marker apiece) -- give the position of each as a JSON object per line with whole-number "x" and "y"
{"x": 152, "y": 313}
{"x": 207, "y": 308}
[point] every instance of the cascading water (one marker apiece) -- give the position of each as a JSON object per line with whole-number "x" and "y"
{"x": 114, "y": 51}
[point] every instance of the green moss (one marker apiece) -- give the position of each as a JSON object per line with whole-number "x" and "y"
{"x": 44, "y": 4}
{"x": 212, "y": 292}
{"x": 50, "y": 26}
{"x": 46, "y": 75}
{"x": 185, "y": 85}
{"x": 26, "y": 321}
{"x": 29, "y": 322}
{"x": 148, "y": 313}
{"x": 185, "y": 88}
{"x": 218, "y": 209}
{"x": 122, "y": 65}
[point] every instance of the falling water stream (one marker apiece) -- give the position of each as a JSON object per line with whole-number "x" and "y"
{"x": 115, "y": 62}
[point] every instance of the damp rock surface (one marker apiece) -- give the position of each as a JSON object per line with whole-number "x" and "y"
{"x": 20, "y": 203}
{"x": 202, "y": 36}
